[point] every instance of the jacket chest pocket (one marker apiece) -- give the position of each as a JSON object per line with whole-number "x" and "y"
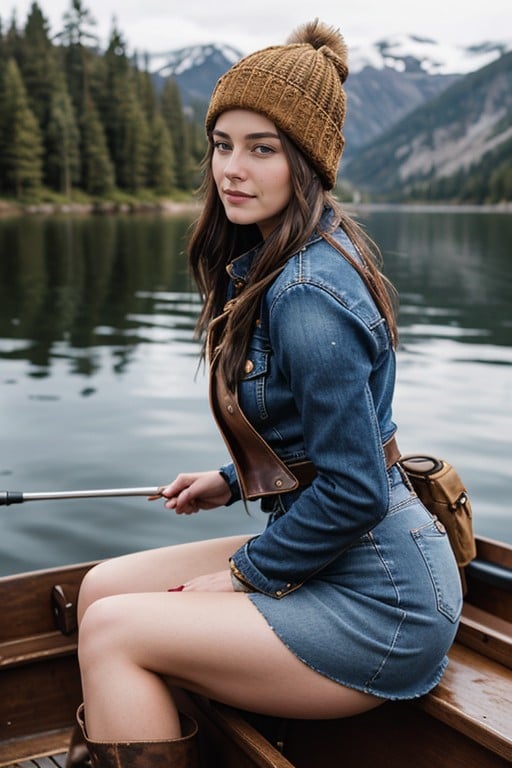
{"x": 253, "y": 386}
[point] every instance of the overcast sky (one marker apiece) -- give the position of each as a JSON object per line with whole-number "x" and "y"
{"x": 161, "y": 25}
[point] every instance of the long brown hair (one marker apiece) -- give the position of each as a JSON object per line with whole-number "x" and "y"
{"x": 214, "y": 242}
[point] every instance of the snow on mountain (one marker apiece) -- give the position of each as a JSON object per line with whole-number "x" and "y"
{"x": 403, "y": 53}
{"x": 411, "y": 53}
{"x": 175, "y": 63}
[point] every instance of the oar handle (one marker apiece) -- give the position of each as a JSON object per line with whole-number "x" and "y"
{"x": 17, "y": 497}
{"x": 10, "y": 497}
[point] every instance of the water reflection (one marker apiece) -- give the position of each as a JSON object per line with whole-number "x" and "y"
{"x": 100, "y": 387}
{"x": 453, "y": 272}
{"x": 71, "y": 286}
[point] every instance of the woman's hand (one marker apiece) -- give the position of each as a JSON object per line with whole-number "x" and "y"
{"x": 210, "y": 582}
{"x": 191, "y": 492}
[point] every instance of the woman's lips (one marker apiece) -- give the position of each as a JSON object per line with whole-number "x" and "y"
{"x": 236, "y": 197}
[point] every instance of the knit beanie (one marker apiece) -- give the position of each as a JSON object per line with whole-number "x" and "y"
{"x": 299, "y": 87}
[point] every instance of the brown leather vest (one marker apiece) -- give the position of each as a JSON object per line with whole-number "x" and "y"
{"x": 260, "y": 471}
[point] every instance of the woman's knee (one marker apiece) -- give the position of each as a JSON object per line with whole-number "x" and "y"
{"x": 99, "y": 582}
{"x": 102, "y": 630}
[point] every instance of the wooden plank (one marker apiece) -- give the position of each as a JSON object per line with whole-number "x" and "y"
{"x": 38, "y": 698}
{"x": 54, "y": 761}
{"x": 35, "y": 747}
{"x": 40, "y": 647}
{"x": 26, "y": 600}
{"x": 489, "y": 597}
{"x": 497, "y": 552}
{"x": 475, "y": 698}
{"x": 490, "y": 635}
{"x": 229, "y": 740}
{"x": 394, "y": 735}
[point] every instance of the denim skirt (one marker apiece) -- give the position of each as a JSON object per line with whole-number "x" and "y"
{"x": 382, "y": 616}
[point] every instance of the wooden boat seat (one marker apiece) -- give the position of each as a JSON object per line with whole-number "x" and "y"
{"x": 469, "y": 713}
{"x": 474, "y": 698}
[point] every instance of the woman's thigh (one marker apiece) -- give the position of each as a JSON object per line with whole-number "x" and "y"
{"x": 156, "y": 570}
{"x": 216, "y": 644}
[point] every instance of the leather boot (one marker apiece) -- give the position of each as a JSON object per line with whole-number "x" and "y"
{"x": 173, "y": 753}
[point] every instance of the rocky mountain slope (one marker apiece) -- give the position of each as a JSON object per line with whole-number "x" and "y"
{"x": 419, "y": 112}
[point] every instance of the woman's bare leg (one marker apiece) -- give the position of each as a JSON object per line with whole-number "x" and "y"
{"x": 156, "y": 570}
{"x": 213, "y": 643}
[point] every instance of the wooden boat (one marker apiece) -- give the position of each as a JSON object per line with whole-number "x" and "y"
{"x": 465, "y": 721}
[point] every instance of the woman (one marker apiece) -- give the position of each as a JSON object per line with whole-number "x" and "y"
{"x": 351, "y": 595}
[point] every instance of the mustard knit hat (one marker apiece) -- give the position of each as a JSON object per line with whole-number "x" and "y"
{"x": 299, "y": 87}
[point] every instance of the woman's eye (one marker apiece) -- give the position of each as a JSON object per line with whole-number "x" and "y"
{"x": 263, "y": 149}
{"x": 222, "y": 146}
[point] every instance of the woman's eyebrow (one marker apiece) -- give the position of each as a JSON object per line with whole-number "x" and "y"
{"x": 259, "y": 135}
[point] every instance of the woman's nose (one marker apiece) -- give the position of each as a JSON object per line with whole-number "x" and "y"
{"x": 234, "y": 167}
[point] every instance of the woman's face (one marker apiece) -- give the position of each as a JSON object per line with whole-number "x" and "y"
{"x": 250, "y": 169}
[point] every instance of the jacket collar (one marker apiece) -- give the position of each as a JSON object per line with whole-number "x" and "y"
{"x": 239, "y": 268}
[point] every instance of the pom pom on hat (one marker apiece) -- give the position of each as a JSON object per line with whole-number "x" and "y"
{"x": 299, "y": 87}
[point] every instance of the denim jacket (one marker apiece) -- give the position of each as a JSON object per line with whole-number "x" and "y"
{"x": 318, "y": 385}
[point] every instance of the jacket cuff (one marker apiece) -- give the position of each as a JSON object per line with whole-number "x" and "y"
{"x": 245, "y": 570}
{"x": 228, "y": 472}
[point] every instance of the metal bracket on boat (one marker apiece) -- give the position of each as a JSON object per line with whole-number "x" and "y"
{"x": 64, "y": 610}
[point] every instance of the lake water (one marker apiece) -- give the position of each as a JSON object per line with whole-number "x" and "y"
{"x": 100, "y": 387}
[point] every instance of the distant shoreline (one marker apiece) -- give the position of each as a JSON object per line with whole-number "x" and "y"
{"x": 181, "y": 207}
{"x": 165, "y": 207}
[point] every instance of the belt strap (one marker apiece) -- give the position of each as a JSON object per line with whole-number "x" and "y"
{"x": 305, "y": 471}
{"x": 391, "y": 452}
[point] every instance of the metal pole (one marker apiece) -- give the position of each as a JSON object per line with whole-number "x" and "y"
{"x": 18, "y": 497}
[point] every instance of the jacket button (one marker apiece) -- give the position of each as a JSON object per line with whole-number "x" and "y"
{"x": 229, "y": 408}
{"x": 278, "y": 483}
{"x": 249, "y": 366}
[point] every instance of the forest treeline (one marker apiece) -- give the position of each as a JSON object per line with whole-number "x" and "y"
{"x": 75, "y": 118}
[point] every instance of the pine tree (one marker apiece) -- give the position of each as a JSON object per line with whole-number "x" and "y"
{"x": 110, "y": 96}
{"x": 132, "y": 171}
{"x": 161, "y": 155}
{"x": 38, "y": 63}
{"x": 97, "y": 169}
{"x": 77, "y": 37}
{"x": 197, "y": 145}
{"x": 91, "y": 119}
{"x": 62, "y": 140}
{"x": 3, "y": 55}
{"x": 123, "y": 115}
{"x": 12, "y": 40}
{"x": 21, "y": 145}
{"x": 172, "y": 112}
{"x": 78, "y": 24}
{"x": 145, "y": 89}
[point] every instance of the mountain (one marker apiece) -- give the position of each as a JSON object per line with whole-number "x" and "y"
{"x": 389, "y": 78}
{"x": 412, "y": 53}
{"x": 195, "y": 69}
{"x": 458, "y": 140}
{"x": 378, "y": 99}
{"x": 418, "y": 112}
{"x": 392, "y": 77}
{"x": 402, "y": 53}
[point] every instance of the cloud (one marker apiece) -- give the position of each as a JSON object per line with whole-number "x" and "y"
{"x": 152, "y": 26}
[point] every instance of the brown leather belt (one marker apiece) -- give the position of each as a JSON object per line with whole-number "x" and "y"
{"x": 305, "y": 471}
